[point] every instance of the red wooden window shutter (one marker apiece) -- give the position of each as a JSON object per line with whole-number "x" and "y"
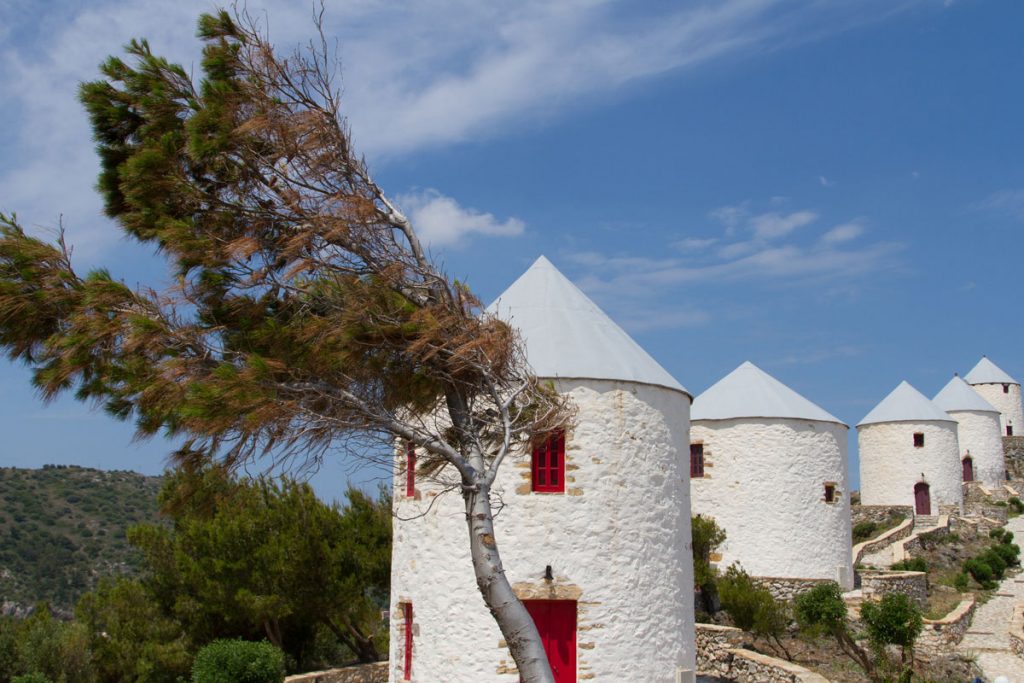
{"x": 407, "y": 616}
{"x": 410, "y": 470}
{"x": 549, "y": 465}
{"x": 696, "y": 460}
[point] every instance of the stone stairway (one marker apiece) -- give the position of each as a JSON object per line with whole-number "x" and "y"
{"x": 923, "y": 522}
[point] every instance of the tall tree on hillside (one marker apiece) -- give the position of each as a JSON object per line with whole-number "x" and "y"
{"x": 306, "y": 318}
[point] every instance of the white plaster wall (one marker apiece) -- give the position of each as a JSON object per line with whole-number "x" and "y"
{"x": 764, "y": 484}
{"x": 620, "y": 535}
{"x": 978, "y": 434}
{"x": 1009, "y": 405}
{"x": 890, "y": 465}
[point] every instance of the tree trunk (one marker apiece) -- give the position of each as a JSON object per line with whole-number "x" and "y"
{"x": 515, "y": 622}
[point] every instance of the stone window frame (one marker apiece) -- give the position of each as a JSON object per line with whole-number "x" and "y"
{"x": 697, "y": 460}
{"x": 831, "y": 493}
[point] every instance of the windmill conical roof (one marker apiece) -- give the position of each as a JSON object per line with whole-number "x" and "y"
{"x": 568, "y": 336}
{"x": 749, "y": 391}
{"x": 905, "y": 404}
{"x": 958, "y": 395}
{"x": 987, "y": 372}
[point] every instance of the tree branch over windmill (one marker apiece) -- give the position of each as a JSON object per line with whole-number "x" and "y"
{"x": 306, "y": 317}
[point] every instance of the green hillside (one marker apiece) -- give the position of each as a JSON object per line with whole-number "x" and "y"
{"x": 62, "y": 528}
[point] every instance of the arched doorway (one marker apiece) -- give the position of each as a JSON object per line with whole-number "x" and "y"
{"x": 968, "y": 464}
{"x": 922, "y": 499}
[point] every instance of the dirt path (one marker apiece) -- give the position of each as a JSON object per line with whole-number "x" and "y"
{"x": 988, "y": 637}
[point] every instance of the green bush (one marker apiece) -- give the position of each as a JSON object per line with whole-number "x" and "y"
{"x": 894, "y": 620}
{"x": 31, "y": 678}
{"x": 821, "y": 608}
{"x": 913, "y": 564}
{"x": 1017, "y": 504}
{"x": 996, "y": 533}
{"x": 238, "y": 661}
{"x": 862, "y": 531}
{"x": 1010, "y": 553}
{"x": 980, "y": 572}
{"x": 995, "y": 561}
{"x": 960, "y": 582}
{"x": 751, "y": 607}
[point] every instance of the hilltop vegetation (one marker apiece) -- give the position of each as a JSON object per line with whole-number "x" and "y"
{"x": 63, "y": 528}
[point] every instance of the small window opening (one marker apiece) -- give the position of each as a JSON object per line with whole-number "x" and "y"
{"x": 549, "y": 465}
{"x": 1009, "y": 430}
{"x": 1006, "y": 388}
{"x": 410, "y": 470}
{"x": 918, "y": 440}
{"x": 830, "y": 493}
{"x": 407, "y": 626}
{"x": 696, "y": 460}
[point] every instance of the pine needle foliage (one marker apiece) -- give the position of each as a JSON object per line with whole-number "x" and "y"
{"x": 305, "y": 311}
{"x": 305, "y": 319}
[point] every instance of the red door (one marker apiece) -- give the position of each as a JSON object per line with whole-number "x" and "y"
{"x": 556, "y": 621}
{"x": 968, "y": 469}
{"x": 922, "y": 499}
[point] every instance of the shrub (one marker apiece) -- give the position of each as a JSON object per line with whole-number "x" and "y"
{"x": 996, "y": 533}
{"x": 913, "y": 564}
{"x": 238, "y": 661}
{"x": 31, "y": 678}
{"x": 980, "y": 572}
{"x": 751, "y": 607}
{"x": 862, "y": 531}
{"x": 1017, "y": 504}
{"x": 993, "y": 560}
{"x": 894, "y": 620}
{"x": 960, "y": 582}
{"x": 1008, "y": 552}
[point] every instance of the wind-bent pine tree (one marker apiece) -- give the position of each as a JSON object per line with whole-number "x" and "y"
{"x": 306, "y": 318}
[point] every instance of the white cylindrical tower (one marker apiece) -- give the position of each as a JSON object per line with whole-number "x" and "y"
{"x": 773, "y": 477}
{"x": 1002, "y": 391}
{"x": 978, "y": 434}
{"x": 909, "y": 454}
{"x": 593, "y": 531}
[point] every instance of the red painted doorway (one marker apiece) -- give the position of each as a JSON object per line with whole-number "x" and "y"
{"x": 556, "y": 621}
{"x": 922, "y": 499}
{"x": 968, "y": 464}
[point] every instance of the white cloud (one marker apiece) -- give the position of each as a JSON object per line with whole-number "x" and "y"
{"x": 825, "y": 182}
{"x": 417, "y": 74}
{"x": 694, "y": 243}
{"x": 1010, "y": 202}
{"x": 773, "y": 225}
{"x": 843, "y": 233}
{"x": 440, "y": 221}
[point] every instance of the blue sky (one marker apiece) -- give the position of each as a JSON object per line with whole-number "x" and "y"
{"x": 833, "y": 190}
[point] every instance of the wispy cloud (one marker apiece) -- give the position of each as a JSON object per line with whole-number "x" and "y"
{"x": 814, "y": 356}
{"x": 441, "y": 221}
{"x": 825, "y": 182}
{"x": 694, "y": 243}
{"x": 765, "y": 247}
{"x": 417, "y": 74}
{"x": 1008, "y": 202}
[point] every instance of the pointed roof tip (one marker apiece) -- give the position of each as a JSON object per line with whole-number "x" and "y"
{"x": 750, "y": 392}
{"x": 987, "y": 372}
{"x": 568, "y": 336}
{"x": 958, "y": 395}
{"x": 905, "y": 404}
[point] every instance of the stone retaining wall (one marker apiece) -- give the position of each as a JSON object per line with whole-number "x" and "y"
{"x": 939, "y": 635}
{"x": 915, "y": 543}
{"x": 1017, "y": 630}
{"x": 720, "y": 653}
{"x": 878, "y": 513}
{"x": 784, "y": 588}
{"x": 876, "y": 583}
{"x": 898, "y": 533}
{"x": 364, "y": 673}
{"x": 1013, "y": 452}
